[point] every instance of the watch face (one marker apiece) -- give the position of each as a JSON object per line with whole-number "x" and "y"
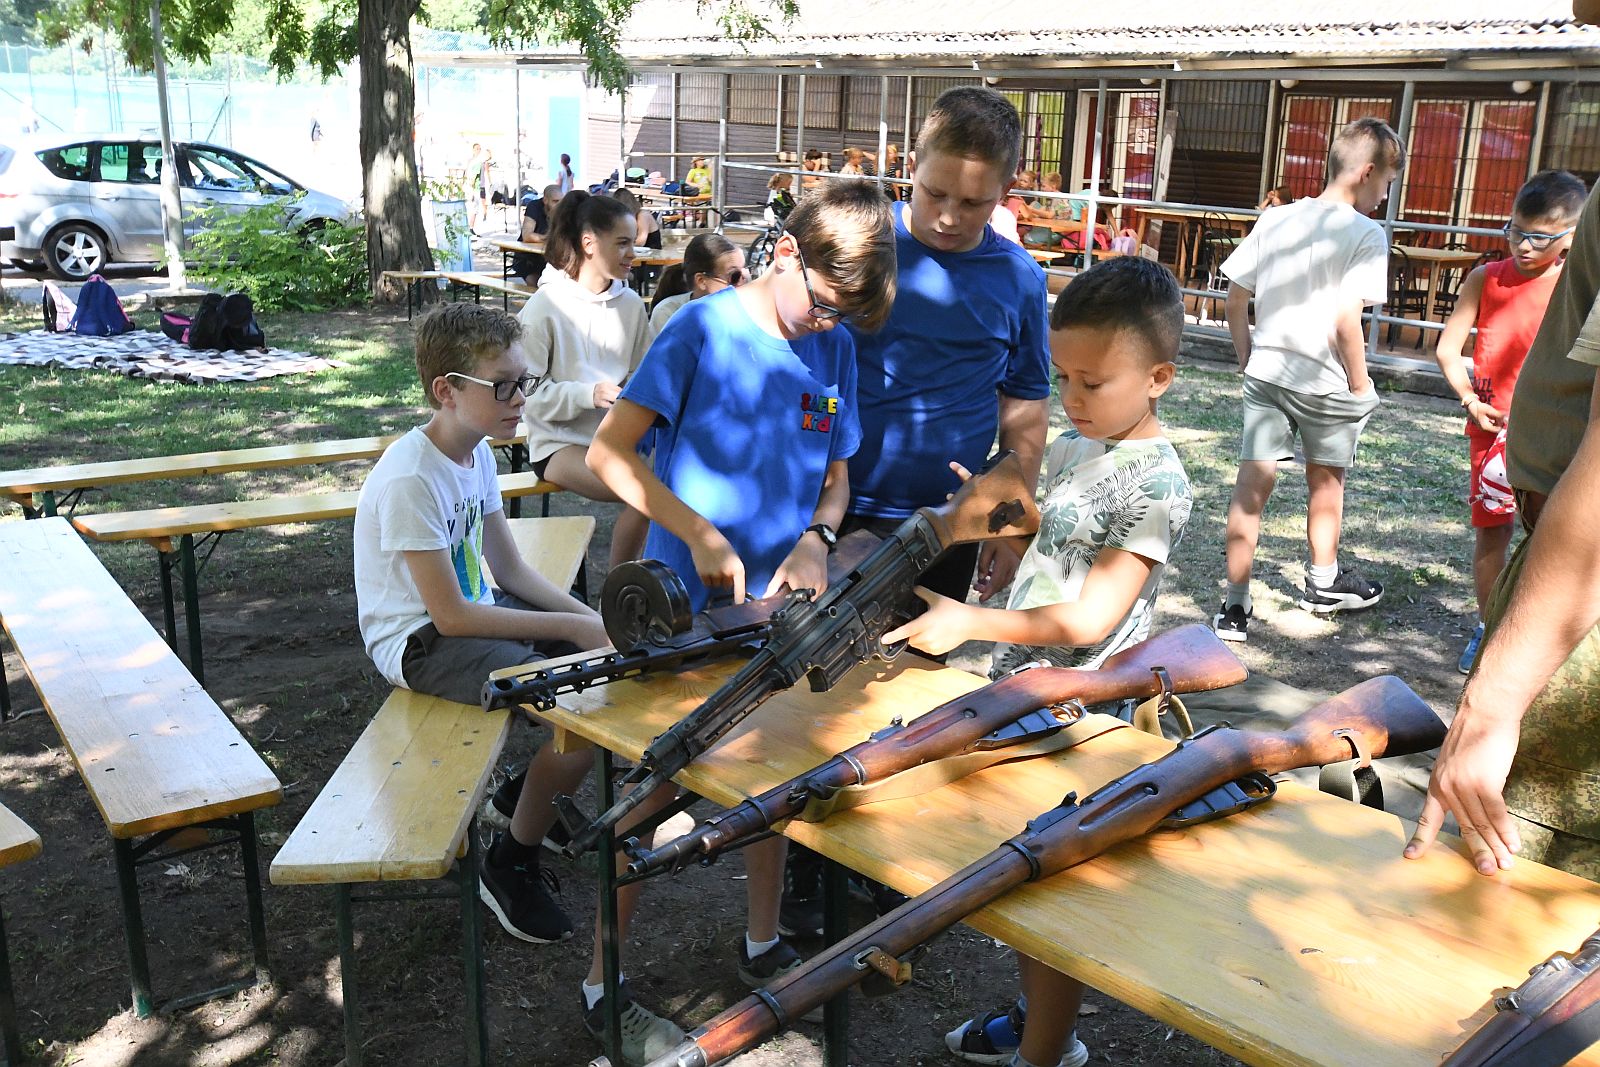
{"x": 825, "y": 532}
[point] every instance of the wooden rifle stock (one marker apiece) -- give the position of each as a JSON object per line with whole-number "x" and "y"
{"x": 822, "y": 638}
{"x": 1189, "y": 659}
{"x": 1545, "y": 1021}
{"x": 1379, "y": 717}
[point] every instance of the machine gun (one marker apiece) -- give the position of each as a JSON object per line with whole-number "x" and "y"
{"x": 1545, "y": 1021}
{"x": 819, "y": 638}
{"x": 1019, "y": 708}
{"x": 1216, "y": 772}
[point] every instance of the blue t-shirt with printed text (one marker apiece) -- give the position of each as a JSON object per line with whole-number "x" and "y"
{"x": 964, "y": 325}
{"x": 747, "y": 425}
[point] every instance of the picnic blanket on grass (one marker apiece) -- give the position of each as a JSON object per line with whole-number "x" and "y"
{"x": 149, "y": 354}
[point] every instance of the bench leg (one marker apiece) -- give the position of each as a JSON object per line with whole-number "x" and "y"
{"x": 252, "y": 895}
{"x": 12, "y": 1039}
{"x": 835, "y": 926}
{"x": 47, "y": 501}
{"x": 133, "y": 927}
{"x": 519, "y": 459}
{"x": 610, "y": 947}
{"x": 169, "y": 612}
{"x": 191, "y": 605}
{"x": 5, "y": 696}
{"x": 345, "y": 921}
{"x": 472, "y": 952}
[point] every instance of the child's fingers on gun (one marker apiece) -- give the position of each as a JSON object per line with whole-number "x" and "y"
{"x": 719, "y": 566}
{"x": 936, "y": 631}
{"x": 806, "y": 567}
{"x": 997, "y": 565}
{"x": 961, "y": 472}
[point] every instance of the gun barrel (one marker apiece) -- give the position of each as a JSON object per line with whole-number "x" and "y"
{"x": 1123, "y": 809}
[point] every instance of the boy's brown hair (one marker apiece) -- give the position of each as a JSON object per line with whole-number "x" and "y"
{"x": 1365, "y": 141}
{"x": 974, "y": 122}
{"x": 1551, "y": 194}
{"x": 453, "y": 338}
{"x": 1126, "y": 293}
{"x": 846, "y": 234}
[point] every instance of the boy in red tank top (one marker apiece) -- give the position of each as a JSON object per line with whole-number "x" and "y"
{"x": 1505, "y": 300}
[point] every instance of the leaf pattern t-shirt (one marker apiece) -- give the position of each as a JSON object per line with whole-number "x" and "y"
{"x": 1130, "y": 495}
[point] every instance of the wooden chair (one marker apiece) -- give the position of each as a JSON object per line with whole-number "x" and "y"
{"x": 156, "y": 753}
{"x": 1408, "y": 294}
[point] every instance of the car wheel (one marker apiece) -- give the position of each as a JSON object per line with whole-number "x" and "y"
{"x": 75, "y": 251}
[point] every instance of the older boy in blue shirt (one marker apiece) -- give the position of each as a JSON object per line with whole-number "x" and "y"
{"x": 962, "y": 357}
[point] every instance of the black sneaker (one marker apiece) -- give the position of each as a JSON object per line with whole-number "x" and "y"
{"x": 520, "y": 897}
{"x": 881, "y": 897}
{"x": 776, "y": 962}
{"x": 800, "y": 913}
{"x": 502, "y": 804}
{"x": 646, "y": 1036}
{"x": 1232, "y": 622}
{"x": 1348, "y": 592}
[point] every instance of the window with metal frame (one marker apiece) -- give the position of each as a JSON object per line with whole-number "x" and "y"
{"x": 1572, "y": 137}
{"x": 1467, "y": 160}
{"x": 1307, "y": 123}
{"x": 753, "y": 99}
{"x": 1128, "y": 146}
{"x": 1219, "y": 116}
{"x": 699, "y": 97}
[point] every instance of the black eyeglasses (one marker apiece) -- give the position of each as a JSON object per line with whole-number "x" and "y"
{"x": 819, "y": 311}
{"x": 503, "y": 391}
{"x": 1536, "y": 241}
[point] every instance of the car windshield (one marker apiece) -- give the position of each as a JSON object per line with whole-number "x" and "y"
{"x": 216, "y": 169}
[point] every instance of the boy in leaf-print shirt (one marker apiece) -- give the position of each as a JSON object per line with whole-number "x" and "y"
{"x": 1116, "y": 503}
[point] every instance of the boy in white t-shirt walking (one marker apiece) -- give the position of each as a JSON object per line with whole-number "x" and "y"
{"x": 427, "y": 521}
{"x": 1312, "y": 268}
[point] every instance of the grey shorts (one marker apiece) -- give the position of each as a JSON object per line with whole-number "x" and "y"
{"x": 1328, "y": 426}
{"x": 455, "y": 668}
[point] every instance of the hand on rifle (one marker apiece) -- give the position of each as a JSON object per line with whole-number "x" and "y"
{"x": 717, "y": 564}
{"x": 805, "y": 567}
{"x": 946, "y": 624}
{"x": 997, "y": 560}
{"x": 1469, "y": 780}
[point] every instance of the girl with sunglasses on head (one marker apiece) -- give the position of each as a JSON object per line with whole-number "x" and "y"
{"x": 584, "y": 331}
{"x": 711, "y": 263}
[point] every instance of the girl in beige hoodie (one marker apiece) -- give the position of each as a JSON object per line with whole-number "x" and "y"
{"x": 584, "y": 332}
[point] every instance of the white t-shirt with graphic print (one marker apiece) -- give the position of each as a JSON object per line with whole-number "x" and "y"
{"x": 1131, "y": 495}
{"x": 416, "y": 499}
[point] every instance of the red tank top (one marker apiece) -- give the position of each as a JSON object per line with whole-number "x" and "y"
{"x": 1509, "y": 312}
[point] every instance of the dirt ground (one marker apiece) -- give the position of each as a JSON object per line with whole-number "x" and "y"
{"x": 284, "y": 658}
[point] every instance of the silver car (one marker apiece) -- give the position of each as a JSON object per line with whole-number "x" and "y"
{"x": 79, "y": 205}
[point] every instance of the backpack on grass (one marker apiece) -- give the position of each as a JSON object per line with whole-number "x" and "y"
{"x": 220, "y": 322}
{"x": 59, "y": 310}
{"x": 99, "y": 311}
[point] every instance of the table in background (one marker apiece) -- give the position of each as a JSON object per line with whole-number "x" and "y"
{"x": 1437, "y": 261}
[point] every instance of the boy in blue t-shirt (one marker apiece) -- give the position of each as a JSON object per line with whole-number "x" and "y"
{"x": 1116, "y": 504}
{"x": 963, "y": 357}
{"x": 751, "y": 397}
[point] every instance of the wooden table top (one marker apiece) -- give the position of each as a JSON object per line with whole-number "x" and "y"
{"x": 1188, "y": 214}
{"x": 18, "y": 840}
{"x": 1291, "y": 934}
{"x": 1446, "y": 257}
{"x": 21, "y": 483}
{"x": 155, "y": 750}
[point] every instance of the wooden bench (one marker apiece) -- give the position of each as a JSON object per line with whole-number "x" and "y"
{"x": 401, "y": 806}
{"x": 154, "y": 750}
{"x": 73, "y": 479}
{"x": 209, "y": 522}
{"x": 18, "y": 842}
{"x": 477, "y": 281}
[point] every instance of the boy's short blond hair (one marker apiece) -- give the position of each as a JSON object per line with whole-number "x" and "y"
{"x": 454, "y": 337}
{"x": 974, "y": 122}
{"x": 1365, "y": 141}
{"x": 846, "y": 234}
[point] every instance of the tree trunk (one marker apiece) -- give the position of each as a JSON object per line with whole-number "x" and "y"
{"x": 393, "y": 201}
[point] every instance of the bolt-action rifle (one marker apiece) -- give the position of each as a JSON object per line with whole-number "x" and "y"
{"x": 1216, "y": 772}
{"x": 819, "y": 638}
{"x": 1017, "y": 709}
{"x": 1545, "y": 1021}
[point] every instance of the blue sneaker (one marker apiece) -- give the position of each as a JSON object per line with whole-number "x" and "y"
{"x": 994, "y": 1038}
{"x": 1469, "y": 655}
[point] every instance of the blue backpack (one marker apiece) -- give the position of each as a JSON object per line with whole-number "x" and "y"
{"x": 99, "y": 311}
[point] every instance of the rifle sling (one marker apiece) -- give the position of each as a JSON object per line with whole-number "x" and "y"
{"x": 1352, "y": 779}
{"x": 935, "y": 773}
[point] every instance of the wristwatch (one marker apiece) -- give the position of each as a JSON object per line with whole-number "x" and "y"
{"x": 1469, "y": 400}
{"x": 824, "y": 531}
